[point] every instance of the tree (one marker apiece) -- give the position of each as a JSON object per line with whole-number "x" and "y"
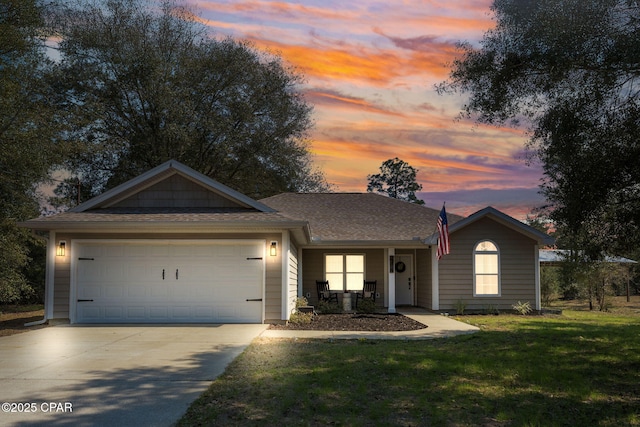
{"x": 568, "y": 70}
{"x": 396, "y": 179}
{"x": 154, "y": 86}
{"x": 30, "y": 128}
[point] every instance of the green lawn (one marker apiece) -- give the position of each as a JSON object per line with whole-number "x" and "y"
{"x": 577, "y": 369}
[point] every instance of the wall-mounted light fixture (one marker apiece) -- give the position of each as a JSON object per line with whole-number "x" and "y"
{"x": 273, "y": 249}
{"x": 61, "y": 248}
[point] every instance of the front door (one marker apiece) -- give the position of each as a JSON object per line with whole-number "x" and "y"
{"x": 404, "y": 279}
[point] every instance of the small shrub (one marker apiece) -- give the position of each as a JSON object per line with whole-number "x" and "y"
{"x": 523, "y": 308}
{"x": 302, "y": 302}
{"x": 491, "y": 309}
{"x": 329, "y": 308}
{"x": 299, "y": 318}
{"x": 460, "y": 307}
{"x": 366, "y": 306}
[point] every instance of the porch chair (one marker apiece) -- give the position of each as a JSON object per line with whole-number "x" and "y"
{"x": 368, "y": 291}
{"x": 324, "y": 293}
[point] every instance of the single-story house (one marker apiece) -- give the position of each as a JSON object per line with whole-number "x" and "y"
{"x": 173, "y": 245}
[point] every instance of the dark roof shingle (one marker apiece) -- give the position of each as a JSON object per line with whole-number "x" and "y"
{"x": 358, "y": 216}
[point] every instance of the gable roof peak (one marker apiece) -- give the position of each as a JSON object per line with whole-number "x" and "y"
{"x": 500, "y": 217}
{"x": 161, "y": 173}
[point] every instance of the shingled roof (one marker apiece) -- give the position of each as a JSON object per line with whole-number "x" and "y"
{"x": 358, "y": 217}
{"x": 170, "y": 197}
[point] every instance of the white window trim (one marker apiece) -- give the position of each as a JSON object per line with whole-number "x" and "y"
{"x": 344, "y": 264}
{"x": 497, "y": 252}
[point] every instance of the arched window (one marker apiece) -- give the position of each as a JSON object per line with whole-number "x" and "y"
{"x": 486, "y": 269}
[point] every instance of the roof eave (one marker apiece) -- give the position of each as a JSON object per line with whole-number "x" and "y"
{"x": 151, "y": 226}
{"x": 369, "y": 243}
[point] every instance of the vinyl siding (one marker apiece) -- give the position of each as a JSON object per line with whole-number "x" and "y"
{"x": 62, "y": 278}
{"x": 177, "y": 192}
{"x": 517, "y": 267}
{"x": 292, "y": 284}
{"x": 273, "y": 284}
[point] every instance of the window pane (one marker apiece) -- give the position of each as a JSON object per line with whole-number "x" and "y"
{"x": 487, "y": 284}
{"x": 335, "y": 281}
{"x": 355, "y": 281}
{"x": 355, "y": 263}
{"x": 334, "y": 263}
{"x": 486, "y": 246}
{"x": 487, "y": 264}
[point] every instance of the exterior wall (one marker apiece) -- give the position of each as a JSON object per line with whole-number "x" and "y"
{"x": 423, "y": 279}
{"x": 273, "y": 267}
{"x": 62, "y": 278}
{"x": 177, "y": 192}
{"x": 273, "y": 281}
{"x": 292, "y": 283}
{"x": 313, "y": 262}
{"x": 517, "y": 267}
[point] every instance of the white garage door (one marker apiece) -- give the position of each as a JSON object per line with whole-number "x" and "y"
{"x": 169, "y": 282}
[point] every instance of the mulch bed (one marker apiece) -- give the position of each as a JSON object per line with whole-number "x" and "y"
{"x": 355, "y": 322}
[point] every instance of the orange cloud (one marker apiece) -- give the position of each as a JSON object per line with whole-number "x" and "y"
{"x": 335, "y": 100}
{"x": 356, "y": 64}
{"x": 333, "y": 63}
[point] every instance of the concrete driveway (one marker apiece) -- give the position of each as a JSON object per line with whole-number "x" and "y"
{"x": 112, "y": 375}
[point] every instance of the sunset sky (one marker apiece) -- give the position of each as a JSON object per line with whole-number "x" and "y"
{"x": 370, "y": 69}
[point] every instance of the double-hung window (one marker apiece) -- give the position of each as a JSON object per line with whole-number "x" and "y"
{"x": 486, "y": 269}
{"x": 345, "y": 272}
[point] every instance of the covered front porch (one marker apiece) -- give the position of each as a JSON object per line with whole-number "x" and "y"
{"x": 404, "y": 275}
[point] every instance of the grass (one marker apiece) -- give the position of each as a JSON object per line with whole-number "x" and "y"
{"x": 579, "y": 368}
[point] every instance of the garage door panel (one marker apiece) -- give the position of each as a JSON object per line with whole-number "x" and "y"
{"x": 159, "y": 313}
{"x": 114, "y": 313}
{"x": 135, "y": 313}
{"x": 205, "y": 292}
{"x": 115, "y": 291}
{"x": 93, "y": 271}
{"x": 126, "y": 283}
{"x": 204, "y": 312}
{"x": 137, "y": 291}
{"x": 198, "y": 271}
{"x": 90, "y": 313}
{"x": 90, "y": 292}
{"x": 181, "y": 312}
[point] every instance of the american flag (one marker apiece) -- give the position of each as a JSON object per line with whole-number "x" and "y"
{"x": 443, "y": 231}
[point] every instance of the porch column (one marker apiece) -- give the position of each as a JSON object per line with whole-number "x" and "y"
{"x": 435, "y": 280}
{"x": 50, "y": 274}
{"x": 284, "y": 268}
{"x": 392, "y": 279}
{"x": 300, "y": 274}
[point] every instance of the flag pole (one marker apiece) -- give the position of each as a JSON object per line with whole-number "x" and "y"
{"x": 435, "y": 227}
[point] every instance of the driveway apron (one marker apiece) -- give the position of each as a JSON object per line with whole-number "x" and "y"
{"x": 112, "y": 375}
